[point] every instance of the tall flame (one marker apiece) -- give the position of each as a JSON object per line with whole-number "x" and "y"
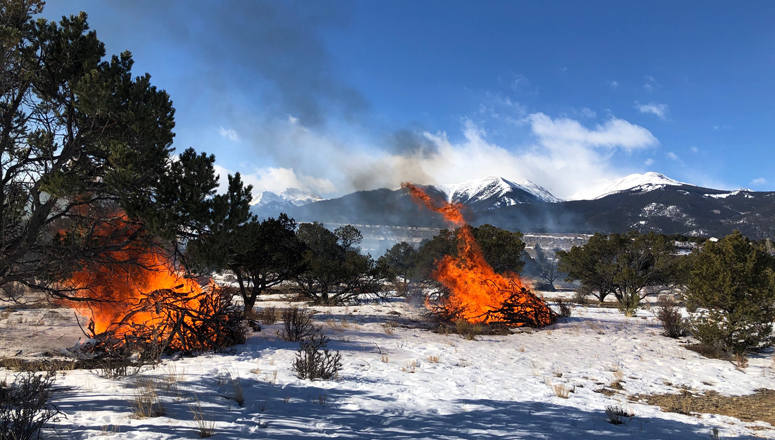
{"x": 477, "y": 293}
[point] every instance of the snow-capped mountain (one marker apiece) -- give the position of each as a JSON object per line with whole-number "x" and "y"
{"x": 495, "y": 192}
{"x": 634, "y": 182}
{"x": 292, "y": 196}
{"x": 643, "y": 202}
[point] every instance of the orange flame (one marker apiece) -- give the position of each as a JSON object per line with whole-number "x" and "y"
{"x": 477, "y": 293}
{"x": 117, "y": 280}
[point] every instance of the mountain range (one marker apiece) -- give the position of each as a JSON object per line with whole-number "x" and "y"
{"x": 644, "y": 202}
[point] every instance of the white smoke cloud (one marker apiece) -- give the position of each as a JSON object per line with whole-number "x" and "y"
{"x": 564, "y": 156}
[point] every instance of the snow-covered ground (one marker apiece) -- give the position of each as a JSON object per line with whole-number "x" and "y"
{"x": 402, "y": 381}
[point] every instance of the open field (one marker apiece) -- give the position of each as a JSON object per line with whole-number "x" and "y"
{"x": 402, "y": 380}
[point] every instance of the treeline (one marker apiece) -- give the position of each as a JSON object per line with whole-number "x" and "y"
{"x": 727, "y": 285}
{"x": 326, "y": 266}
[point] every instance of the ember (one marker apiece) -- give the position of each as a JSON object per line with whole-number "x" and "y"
{"x": 477, "y": 293}
{"x": 138, "y": 302}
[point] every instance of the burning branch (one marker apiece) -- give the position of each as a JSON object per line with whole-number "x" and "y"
{"x": 140, "y": 305}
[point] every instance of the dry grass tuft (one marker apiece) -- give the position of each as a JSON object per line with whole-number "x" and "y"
{"x": 145, "y": 402}
{"x": 389, "y": 327}
{"x": 434, "y": 359}
{"x": 236, "y": 384}
{"x": 563, "y": 391}
{"x": 205, "y": 428}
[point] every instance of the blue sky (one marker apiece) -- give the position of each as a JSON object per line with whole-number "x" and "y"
{"x": 338, "y": 96}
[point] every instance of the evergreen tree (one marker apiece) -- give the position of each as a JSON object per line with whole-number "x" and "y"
{"x": 622, "y": 265}
{"x": 502, "y": 249}
{"x": 334, "y": 269}
{"x": 731, "y": 291}
{"x": 401, "y": 260}
{"x": 82, "y": 141}
{"x": 586, "y": 264}
{"x": 260, "y": 254}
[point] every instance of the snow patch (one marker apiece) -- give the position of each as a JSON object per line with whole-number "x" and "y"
{"x": 293, "y": 196}
{"x": 634, "y": 182}
{"x": 474, "y": 191}
{"x": 670, "y": 211}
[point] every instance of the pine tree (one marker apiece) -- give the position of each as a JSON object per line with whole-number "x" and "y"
{"x": 731, "y": 291}
{"x": 82, "y": 141}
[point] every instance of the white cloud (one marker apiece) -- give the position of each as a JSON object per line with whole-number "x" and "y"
{"x": 649, "y": 162}
{"x": 694, "y": 150}
{"x": 561, "y": 154}
{"x": 565, "y": 156}
{"x": 615, "y": 133}
{"x": 229, "y": 134}
{"x": 588, "y": 113}
{"x": 275, "y": 179}
{"x": 759, "y": 181}
{"x": 519, "y": 82}
{"x": 651, "y": 84}
{"x": 614, "y": 84}
{"x": 672, "y": 156}
{"x": 660, "y": 110}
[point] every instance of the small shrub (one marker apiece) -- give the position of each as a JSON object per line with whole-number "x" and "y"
{"x": 615, "y": 414}
{"x": 468, "y": 331}
{"x": 434, "y": 359}
{"x": 741, "y": 361}
{"x": 115, "y": 365}
{"x": 297, "y": 325}
{"x": 580, "y": 295}
{"x": 629, "y": 303}
{"x": 565, "y": 311}
{"x": 669, "y": 315}
{"x": 313, "y": 361}
{"x": 267, "y": 315}
{"x": 24, "y": 406}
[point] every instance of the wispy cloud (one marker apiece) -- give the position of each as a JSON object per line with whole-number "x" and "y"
{"x": 672, "y": 156}
{"x": 649, "y": 162}
{"x": 229, "y": 134}
{"x": 694, "y": 150}
{"x": 759, "y": 181}
{"x": 651, "y": 84}
{"x": 660, "y": 110}
{"x": 520, "y": 82}
{"x": 587, "y": 113}
{"x": 613, "y": 84}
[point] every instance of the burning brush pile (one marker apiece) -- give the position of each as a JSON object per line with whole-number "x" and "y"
{"x": 140, "y": 306}
{"x": 476, "y": 293}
